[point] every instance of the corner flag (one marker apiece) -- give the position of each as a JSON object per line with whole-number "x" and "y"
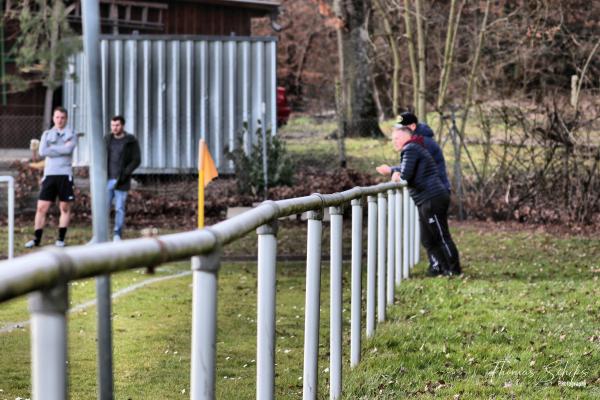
{"x": 207, "y": 171}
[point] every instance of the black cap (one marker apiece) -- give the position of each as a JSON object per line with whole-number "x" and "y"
{"x": 407, "y": 118}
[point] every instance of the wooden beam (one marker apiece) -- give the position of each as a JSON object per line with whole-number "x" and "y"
{"x": 136, "y": 4}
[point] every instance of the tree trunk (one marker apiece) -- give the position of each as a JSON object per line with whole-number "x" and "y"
{"x": 395, "y": 56}
{"x": 468, "y": 98}
{"x": 411, "y": 54}
{"x": 380, "y": 110}
{"x": 340, "y": 92}
{"x": 341, "y": 123}
{"x": 361, "y": 111}
{"x": 453, "y": 23}
{"x": 50, "y": 79}
{"x": 474, "y": 69}
{"x": 303, "y": 56}
{"x": 458, "y": 186}
{"x": 421, "y": 110}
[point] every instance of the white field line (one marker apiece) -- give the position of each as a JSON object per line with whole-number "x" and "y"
{"x": 91, "y": 303}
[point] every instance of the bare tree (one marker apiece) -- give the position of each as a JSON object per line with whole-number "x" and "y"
{"x": 411, "y": 51}
{"x": 448, "y": 60}
{"x": 421, "y": 110}
{"x": 340, "y": 94}
{"x": 459, "y": 135}
{"x": 395, "y": 54}
{"x": 472, "y": 80}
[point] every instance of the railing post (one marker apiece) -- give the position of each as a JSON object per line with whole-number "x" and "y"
{"x": 335, "y": 311}
{"x": 371, "y": 263}
{"x": 11, "y": 214}
{"x": 381, "y": 255}
{"x": 105, "y": 348}
{"x": 417, "y": 236}
{"x": 357, "y": 221}
{"x": 398, "y": 238}
{"x": 412, "y": 234}
{"x": 313, "y": 297}
{"x": 204, "y": 325}
{"x": 405, "y": 232}
{"x": 90, "y": 23}
{"x": 265, "y": 321}
{"x": 49, "y": 343}
{"x": 391, "y": 246}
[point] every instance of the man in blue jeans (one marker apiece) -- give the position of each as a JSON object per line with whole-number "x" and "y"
{"x": 123, "y": 157}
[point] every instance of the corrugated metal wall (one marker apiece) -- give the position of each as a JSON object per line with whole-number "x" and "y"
{"x": 174, "y": 90}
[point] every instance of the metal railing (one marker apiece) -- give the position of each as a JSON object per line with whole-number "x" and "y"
{"x": 45, "y": 274}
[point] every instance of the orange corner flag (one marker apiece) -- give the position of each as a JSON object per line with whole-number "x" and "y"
{"x": 207, "y": 171}
{"x": 206, "y": 164}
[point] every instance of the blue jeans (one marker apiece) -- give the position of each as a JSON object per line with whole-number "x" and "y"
{"x": 120, "y": 197}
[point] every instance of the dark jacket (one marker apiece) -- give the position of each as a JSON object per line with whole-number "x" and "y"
{"x": 418, "y": 169}
{"x": 130, "y": 160}
{"x": 435, "y": 151}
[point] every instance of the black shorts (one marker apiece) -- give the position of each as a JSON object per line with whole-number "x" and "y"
{"x": 57, "y": 185}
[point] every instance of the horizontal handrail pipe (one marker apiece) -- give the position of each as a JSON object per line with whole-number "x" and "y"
{"x": 390, "y": 250}
{"x": 47, "y": 267}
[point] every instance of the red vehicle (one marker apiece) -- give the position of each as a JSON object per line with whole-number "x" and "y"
{"x": 283, "y": 108}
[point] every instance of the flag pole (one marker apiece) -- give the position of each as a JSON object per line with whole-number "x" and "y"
{"x": 201, "y": 184}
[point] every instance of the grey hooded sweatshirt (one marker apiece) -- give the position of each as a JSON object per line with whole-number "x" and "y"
{"x": 58, "y": 148}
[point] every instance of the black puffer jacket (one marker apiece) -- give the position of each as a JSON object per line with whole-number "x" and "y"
{"x": 419, "y": 170}
{"x": 435, "y": 151}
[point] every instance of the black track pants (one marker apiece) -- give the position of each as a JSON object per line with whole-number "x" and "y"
{"x": 435, "y": 235}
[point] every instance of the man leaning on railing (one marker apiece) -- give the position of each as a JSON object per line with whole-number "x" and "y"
{"x": 430, "y": 195}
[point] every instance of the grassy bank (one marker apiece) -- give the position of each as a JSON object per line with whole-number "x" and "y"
{"x": 524, "y": 322}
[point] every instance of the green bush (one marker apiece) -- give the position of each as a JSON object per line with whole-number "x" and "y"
{"x": 249, "y": 167}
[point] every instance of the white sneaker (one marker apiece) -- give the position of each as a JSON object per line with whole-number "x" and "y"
{"x": 116, "y": 238}
{"x": 59, "y": 243}
{"x": 31, "y": 244}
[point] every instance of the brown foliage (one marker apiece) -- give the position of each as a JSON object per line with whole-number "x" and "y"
{"x": 306, "y": 53}
{"x": 26, "y": 180}
{"x": 173, "y": 202}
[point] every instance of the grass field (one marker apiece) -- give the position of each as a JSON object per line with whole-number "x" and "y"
{"x": 310, "y": 143}
{"x": 524, "y": 322}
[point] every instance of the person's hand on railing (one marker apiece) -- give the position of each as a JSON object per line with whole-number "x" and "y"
{"x": 384, "y": 169}
{"x": 396, "y": 177}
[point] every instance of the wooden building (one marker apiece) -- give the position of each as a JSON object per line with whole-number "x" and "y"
{"x": 21, "y": 114}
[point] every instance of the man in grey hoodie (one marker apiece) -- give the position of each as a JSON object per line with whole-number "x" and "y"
{"x": 57, "y": 145}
